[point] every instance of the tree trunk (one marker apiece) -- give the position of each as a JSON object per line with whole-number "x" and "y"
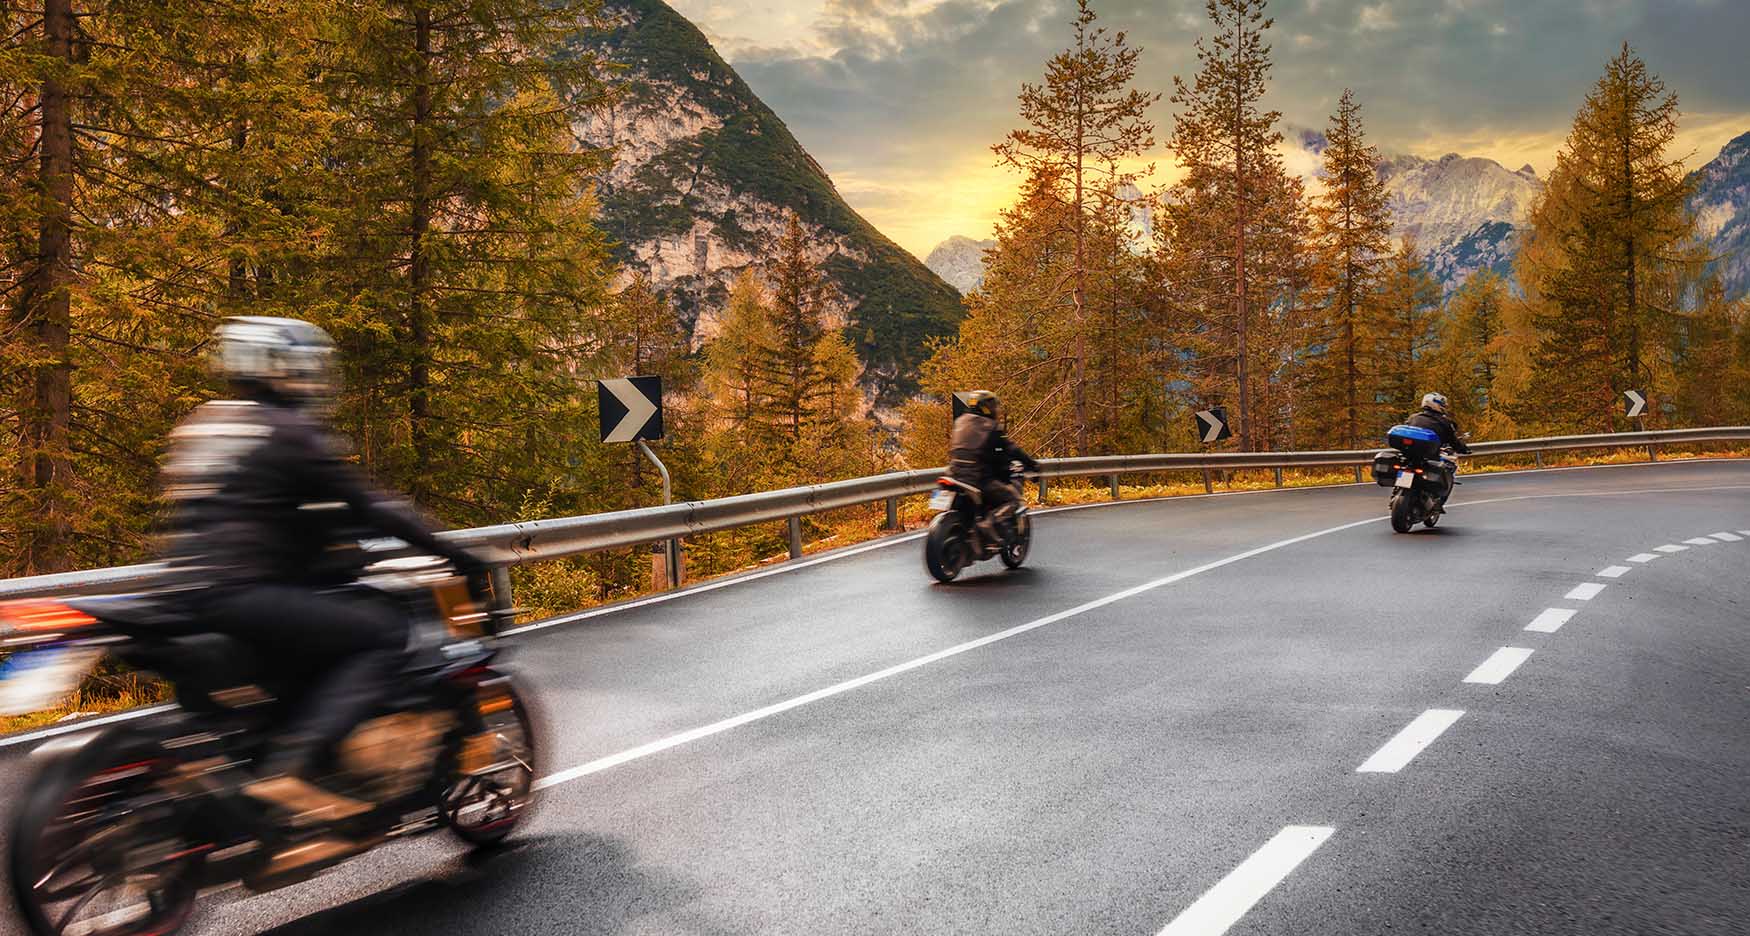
{"x": 419, "y": 265}
{"x": 45, "y": 314}
{"x": 1079, "y": 293}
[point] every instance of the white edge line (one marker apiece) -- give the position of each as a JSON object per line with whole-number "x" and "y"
{"x": 43, "y": 734}
{"x": 1550, "y": 620}
{"x": 1223, "y": 905}
{"x": 1500, "y": 665}
{"x": 1411, "y": 740}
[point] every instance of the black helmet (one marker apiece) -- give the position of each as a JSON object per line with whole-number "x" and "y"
{"x": 289, "y": 358}
{"x": 984, "y": 403}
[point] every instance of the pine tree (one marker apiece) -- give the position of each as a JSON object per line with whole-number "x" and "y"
{"x": 1469, "y": 363}
{"x": 1712, "y": 365}
{"x": 1352, "y": 229}
{"x": 787, "y": 361}
{"x": 1082, "y": 124}
{"x": 1408, "y": 307}
{"x": 1234, "y": 205}
{"x": 1606, "y": 260}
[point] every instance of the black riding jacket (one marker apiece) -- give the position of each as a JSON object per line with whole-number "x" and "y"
{"x": 979, "y": 451}
{"x": 1442, "y": 425}
{"x": 260, "y": 494}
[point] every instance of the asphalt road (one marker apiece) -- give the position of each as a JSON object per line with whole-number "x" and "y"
{"x": 1253, "y": 714}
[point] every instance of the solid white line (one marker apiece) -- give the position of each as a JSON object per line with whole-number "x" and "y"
{"x": 1728, "y": 537}
{"x": 43, "y": 734}
{"x": 1670, "y": 548}
{"x": 1224, "y": 904}
{"x": 1643, "y": 557}
{"x": 1550, "y": 620}
{"x": 1585, "y": 591}
{"x": 706, "y": 731}
{"x": 1406, "y": 744}
{"x": 1498, "y": 666}
{"x": 1611, "y": 572}
{"x": 1702, "y": 541}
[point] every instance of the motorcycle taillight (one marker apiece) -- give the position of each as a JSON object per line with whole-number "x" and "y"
{"x": 41, "y": 617}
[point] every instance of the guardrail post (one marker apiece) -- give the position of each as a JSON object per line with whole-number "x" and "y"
{"x": 1208, "y": 483}
{"x": 1278, "y": 475}
{"x": 893, "y": 513}
{"x": 1652, "y": 452}
{"x": 1044, "y": 489}
{"x": 795, "y": 537}
{"x": 1357, "y": 474}
{"x": 1537, "y": 459}
{"x": 1115, "y": 494}
{"x": 676, "y": 566}
{"x": 501, "y": 586}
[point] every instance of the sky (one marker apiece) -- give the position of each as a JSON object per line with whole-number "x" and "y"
{"x": 901, "y": 100}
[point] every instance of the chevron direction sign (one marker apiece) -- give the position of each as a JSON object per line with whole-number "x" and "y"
{"x": 1637, "y": 403}
{"x": 1212, "y": 425}
{"x": 631, "y": 408}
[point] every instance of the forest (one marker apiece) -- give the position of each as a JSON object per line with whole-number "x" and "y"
{"x": 405, "y": 175}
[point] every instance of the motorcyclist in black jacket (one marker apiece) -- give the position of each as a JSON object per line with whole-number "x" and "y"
{"x": 262, "y": 501}
{"x": 979, "y": 455}
{"x": 1435, "y": 416}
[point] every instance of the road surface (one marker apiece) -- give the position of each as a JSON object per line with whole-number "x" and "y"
{"x": 1251, "y": 714}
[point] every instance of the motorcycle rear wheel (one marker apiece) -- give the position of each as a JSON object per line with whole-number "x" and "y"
{"x": 1402, "y": 513}
{"x": 96, "y": 847}
{"x": 945, "y": 547}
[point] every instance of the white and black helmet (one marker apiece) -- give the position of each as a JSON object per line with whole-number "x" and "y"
{"x": 290, "y": 358}
{"x": 1434, "y": 401}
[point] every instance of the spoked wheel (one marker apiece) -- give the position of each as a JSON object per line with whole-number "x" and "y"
{"x": 1016, "y": 553}
{"x": 493, "y": 774}
{"x": 1402, "y": 519}
{"x": 96, "y": 850}
{"x": 945, "y": 547}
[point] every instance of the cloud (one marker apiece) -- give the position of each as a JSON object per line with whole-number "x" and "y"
{"x": 906, "y": 96}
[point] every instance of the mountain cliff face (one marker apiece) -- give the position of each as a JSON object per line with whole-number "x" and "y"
{"x": 1722, "y": 209}
{"x": 960, "y": 261}
{"x": 704, "y": 178}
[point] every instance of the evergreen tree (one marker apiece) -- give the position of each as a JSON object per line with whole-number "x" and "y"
{"x": 787, "y": 361}
{"x": 1469, "y": 365}
{"x": 1408, "y": 307}
{"x": 1351, "y": 229}
{"x": 1713, "y": 361}
{"x": 1606, "y": 258}
{"x": 1234, "y": 207}
{"x": 1082, "y": 123}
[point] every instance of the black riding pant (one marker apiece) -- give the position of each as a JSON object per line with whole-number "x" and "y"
{"x": 346, "y": 648}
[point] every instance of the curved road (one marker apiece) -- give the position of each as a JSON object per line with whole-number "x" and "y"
{"x": 1254, "y": 714}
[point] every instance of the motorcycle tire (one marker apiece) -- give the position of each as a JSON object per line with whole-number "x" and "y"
{"x": 92, "y": 821}
{"x": 1402, "y": 514}
{"x": 483, "y": 806}
{"x": 1014, "y": 554}
{"x": 945, "y": 547}
{"x": 1431, "y": 520}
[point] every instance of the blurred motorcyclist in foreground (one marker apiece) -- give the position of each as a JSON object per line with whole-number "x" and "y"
{"x": 260, "y": 498}
{"x": 979, "y": 453}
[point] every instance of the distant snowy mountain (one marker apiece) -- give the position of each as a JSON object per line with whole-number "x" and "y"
{"x": 1722, "y": 209}
{"x": 960, "y": 261}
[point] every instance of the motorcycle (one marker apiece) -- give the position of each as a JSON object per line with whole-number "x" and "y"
{"x": 1420, "y": 473}
{"x": 121, "y": 828}
{"x": 954, "y": 540}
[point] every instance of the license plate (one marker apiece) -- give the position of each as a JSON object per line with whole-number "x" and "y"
{"x": 1406, "y": 479}
{"x": 942, "y": 500}
{"x": 34, "y": 680}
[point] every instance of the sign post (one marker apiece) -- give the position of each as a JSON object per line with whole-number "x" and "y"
{"x": 1212, "y": 427}
{"x": 631, "y": 411}
{"x": 1636, "y": 405}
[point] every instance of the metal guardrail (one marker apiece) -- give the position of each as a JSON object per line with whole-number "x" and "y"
{"x": 513, "y": 544}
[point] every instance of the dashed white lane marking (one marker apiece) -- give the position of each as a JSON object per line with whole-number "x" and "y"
{"x": 1611, "y": 572}
{"x": 718, "y": 727}
{"x": 1498, "y": 666}
{"x": 1744, "y": 532}
{"x": 1642, "y": 557}
{"x": 1670, "y": 548}
{"x": 1550, "y": 620}
{"x": 1701, "y": 541}
{"x": 1406, "y": 744}
{"x": 1224, "y": 904}
{"x": 1585, "y": 591}
{"x": 1728, "y": 537}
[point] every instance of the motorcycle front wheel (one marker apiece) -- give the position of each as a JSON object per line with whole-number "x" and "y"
{"x": 1015, "y": 553}
{"x": 96, "y": 846}
{"x": 945, "y": 547}
{"x": 492, "y": 768}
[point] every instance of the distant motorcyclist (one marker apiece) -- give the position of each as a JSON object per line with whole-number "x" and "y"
{"x": 1436, "y": 417}
{"x": 261, "y": 497}
{"x": 979, "y": 453}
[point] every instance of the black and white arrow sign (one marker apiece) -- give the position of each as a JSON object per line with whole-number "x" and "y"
{"x": 1636, "y": 403}
{"x": 631, "y": 408}
{"x": 1212, "y": 425}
